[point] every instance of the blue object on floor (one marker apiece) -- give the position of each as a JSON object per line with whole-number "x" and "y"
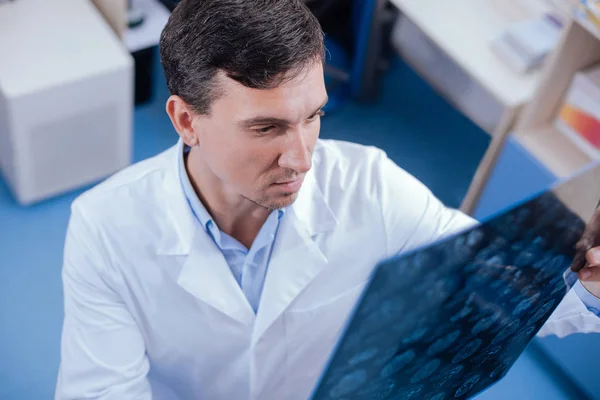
{"x": 503, "y": 190}
{"x": 362, "y": 20}
{"x": 337, "y": 90}
{"x": 418, "y": 129}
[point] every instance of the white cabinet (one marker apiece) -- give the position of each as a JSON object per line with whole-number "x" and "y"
{"x": 66, "y": 97}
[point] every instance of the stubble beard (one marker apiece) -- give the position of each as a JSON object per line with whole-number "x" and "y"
{"x": 271, "y": 204}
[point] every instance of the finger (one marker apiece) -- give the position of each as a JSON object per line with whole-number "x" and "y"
{"x": 586, "y": 241}
{"x": 592, "y": 256}
{"x": 581, "y": 247}
{"x": 579, "y": 261}
{"x": 590, "y": 274}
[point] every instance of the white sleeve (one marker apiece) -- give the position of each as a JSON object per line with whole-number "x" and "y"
{"x": 572, "y": 316}
{"x": 102, "y": 349}
{"x": 412, "y": 215}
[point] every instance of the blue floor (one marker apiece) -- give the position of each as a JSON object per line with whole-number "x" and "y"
{"x": 418, "y": 129}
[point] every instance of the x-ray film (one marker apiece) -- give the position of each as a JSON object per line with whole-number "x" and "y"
{"x": 449, "y": 320}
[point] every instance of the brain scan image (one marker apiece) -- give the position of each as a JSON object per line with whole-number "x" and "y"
{"x": 450, "y": 319}
{"x": 467, "y": 385}
{"x": 444, "y": 342}
{"x": 426, "y": 370}
{"x": 398, "y": 363}
{"x": 487, "y": 354}
{"x": 410, "y": 392}
{"x": 467, "y": 351}
{"x": 439, "y": 396}
{"x": 542, "y": 311}
{"x": 525, "y": 305}
{"x": 381, "y": 389}
{"x": 485, "y": 323}
{"x": 414, "y": 336}
{"x": 464, "y": 312}
{"x": 446, "y": 374}
{"x": 363, "y": 356}
{"x": 506, "y": 331}
{"x": 349, "y": 383}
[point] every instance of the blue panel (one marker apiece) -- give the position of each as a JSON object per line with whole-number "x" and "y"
{"x": 362, "y": 20}
{"x": 527, "y": 380}
{"x": 516, "y": 176}
{"x": 579, "y": 357}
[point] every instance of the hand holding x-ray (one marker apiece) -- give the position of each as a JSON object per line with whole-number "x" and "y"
{"x": 587, "y": 259}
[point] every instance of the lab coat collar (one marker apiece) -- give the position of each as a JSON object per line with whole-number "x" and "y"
{"x": 180, "y": 229}
{"x": 311, "y": 208}
{"x": 205, "y": 273}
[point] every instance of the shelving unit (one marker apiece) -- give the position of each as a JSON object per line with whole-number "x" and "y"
{"x": 553, "y": 150}
{"x": 463, "y": 30}
{"x": 534, "y": 135}
{"x": 578, "y": 49}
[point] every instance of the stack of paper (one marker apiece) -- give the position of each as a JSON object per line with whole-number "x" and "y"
{"x": 524, "y": 45}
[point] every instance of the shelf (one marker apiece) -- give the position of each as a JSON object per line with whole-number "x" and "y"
{"x": 451, "y": 25}
{"x": 586, "y": 24}
{"x": 553, "y": 150}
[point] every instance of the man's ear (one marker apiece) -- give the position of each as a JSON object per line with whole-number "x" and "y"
{"x": 182, "y": 117}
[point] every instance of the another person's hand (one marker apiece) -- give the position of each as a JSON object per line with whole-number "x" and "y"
{"x": 587, "y": 258}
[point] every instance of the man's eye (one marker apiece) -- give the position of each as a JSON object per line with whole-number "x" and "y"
{"x": 264, "y": 129}
{"x": 317, "y": 115}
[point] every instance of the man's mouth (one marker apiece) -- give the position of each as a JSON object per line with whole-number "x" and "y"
{"x": 290, "y": 185}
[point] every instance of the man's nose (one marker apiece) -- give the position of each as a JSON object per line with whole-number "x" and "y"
{"x": 296, "y": 155}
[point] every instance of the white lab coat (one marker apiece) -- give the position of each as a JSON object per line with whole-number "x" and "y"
{"x": 147, "y": 291}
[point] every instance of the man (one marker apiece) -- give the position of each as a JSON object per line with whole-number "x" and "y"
{"x": 225, "y": 267}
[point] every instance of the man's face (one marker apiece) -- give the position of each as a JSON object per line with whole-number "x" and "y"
{"x": 259, "y": 143}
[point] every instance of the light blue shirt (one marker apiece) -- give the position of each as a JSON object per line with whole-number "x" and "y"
{"x": 248, "y": 266}
{"x": 591, "y": 302}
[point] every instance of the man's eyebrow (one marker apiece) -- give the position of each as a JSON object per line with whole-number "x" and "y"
{"x": 321, "y": 106}
{"x": 265, "y": 120}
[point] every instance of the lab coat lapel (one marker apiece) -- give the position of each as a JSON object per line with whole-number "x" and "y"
{"x": 205, "y": 273}
{"x": 296, "y": 258}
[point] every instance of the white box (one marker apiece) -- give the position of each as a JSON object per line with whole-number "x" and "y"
{"x": 579, "y": 115}
{"x": 66, "y": 97}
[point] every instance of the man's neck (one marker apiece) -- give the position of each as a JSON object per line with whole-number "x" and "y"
{"x": 241, "y": 223}
{"x": 234, "y": 215}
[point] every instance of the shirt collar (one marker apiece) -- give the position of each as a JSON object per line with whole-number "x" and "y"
{"x": 196, "y": 205}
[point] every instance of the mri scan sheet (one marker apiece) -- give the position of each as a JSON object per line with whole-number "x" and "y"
{"x": 449, "y": 320}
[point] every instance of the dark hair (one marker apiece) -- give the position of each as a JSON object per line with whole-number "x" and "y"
{"x": 259, "y": 43}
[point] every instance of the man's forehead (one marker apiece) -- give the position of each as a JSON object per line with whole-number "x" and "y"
{"x": 307, "y": 90}
{"x": 309, "y": 75}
